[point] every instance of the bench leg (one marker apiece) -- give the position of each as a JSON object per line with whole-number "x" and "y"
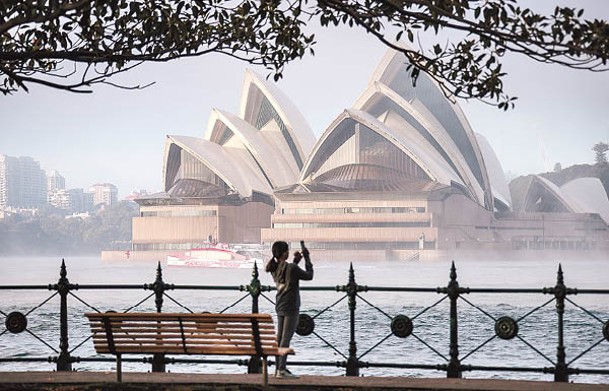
{"x": 119, "y": 370}
{"x": 265, "y": 371}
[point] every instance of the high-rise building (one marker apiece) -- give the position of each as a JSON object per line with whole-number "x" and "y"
{"x": 80, "y": 201}
{"x": 55, "y": 181}
{"x": 104, "y": 193}
{"x": 23, "y": 184}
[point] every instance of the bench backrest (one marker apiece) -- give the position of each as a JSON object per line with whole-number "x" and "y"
{"x": 226, "y": 334}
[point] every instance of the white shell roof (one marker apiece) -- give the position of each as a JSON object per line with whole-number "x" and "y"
{"x": 590, "y": 196}
{"x": 246, "y": 158}
{"x": 582, "y": 195}
{"x": 298, "y": 127}
{"x": 428, "y": 124}
{"x": 230, "y": 164}
{"x": 565, "y": 199}
{"x": 265, "y": 148}
{"x": 431, "y": 166}
{"x": 499, "y": 184}
{"x": 429, "y": 100}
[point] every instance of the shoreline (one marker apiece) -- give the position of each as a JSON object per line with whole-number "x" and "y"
{"x": 397, "y": 257}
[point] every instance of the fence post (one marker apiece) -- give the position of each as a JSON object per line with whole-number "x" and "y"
{"x": 63, "y": 286}
{"x": 158, "y": 286}
{"x": 452, "y": 290}
{"x": 351, "y": 289}
{"x": 561, "y": 372}
{"x": 254, "y": 364}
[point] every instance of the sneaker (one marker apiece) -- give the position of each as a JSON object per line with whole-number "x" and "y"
{"x": 285, "y": 374}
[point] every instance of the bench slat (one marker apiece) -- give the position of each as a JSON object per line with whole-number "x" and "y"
{"x": 170, "y": 330}
{"x": 177, "y": 333}
{"x": 154, "y": 316}
{"x": 148, "y": 341}
{"x": 136, "y": 349}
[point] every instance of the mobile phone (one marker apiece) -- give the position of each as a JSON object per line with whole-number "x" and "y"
{"x": 302, "y": 246}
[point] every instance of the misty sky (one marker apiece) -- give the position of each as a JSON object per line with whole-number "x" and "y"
{"x": 118, "y": 136}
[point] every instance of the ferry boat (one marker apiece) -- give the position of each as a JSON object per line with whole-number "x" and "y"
{"x": 219, "y": 255}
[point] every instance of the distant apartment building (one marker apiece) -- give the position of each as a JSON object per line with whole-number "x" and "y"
{"x": 104, "y": 193}
{"x": 59, "y": 199}
{"x": 56, "y": 191}
{"x": 80, "y": 201}
{"x": 56, "y": 181}
{"x": 135, "y": 194}
{"x": 23, "y": 184}
{"x": 73, "y": 200}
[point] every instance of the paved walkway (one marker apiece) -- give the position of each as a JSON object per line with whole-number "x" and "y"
{"x": 181, "y": 382}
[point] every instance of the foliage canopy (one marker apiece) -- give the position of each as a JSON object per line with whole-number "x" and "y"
{"x": 74, "y": 44}
{"x": 600, "y": 149}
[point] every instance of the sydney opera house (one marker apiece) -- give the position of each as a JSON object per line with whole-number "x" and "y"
{"x": 399, "y": 172}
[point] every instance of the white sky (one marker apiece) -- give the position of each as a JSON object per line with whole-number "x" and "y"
{"x": 118, "y": 136}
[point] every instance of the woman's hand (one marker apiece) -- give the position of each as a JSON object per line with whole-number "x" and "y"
{"x": 297, "y": 257}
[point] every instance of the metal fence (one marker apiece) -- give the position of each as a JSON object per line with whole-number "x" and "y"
{"x": 351, "y": 298}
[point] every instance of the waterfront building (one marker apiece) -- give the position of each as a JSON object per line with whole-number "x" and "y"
{"x": 23, "y": 184}
{"x": 104, "y": 194}
{"x": 399, "y": 172}
{"x": 219, "y": 188}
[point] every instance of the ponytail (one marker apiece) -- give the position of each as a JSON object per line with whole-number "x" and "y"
{"x": 271, "y": 266}
{"x": 278, "y": 249}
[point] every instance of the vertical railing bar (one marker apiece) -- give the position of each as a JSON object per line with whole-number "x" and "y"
{"x": 561, "y": 373}
{"x": 454, "y": 365}
{"x": 64, "y": 361}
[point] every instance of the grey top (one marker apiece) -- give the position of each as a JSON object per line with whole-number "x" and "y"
{"x": 287, "y": 277}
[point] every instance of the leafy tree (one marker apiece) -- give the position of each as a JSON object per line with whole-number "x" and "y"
{"x": 600, "y": 149}
{"x": 50, "y": 233}
{"x": 52, "y": 42}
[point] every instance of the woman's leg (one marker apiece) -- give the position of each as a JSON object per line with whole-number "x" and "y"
{"x": 285, "y": 331}
{"x": 279, "y": 362}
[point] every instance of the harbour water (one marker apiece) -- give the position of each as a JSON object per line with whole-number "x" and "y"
{"x": 535, "y": 346}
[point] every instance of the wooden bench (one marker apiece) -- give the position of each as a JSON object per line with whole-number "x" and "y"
{"x": 175, "y": 333}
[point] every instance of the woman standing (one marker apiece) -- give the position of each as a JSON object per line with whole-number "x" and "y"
{"x": 287, "y": 303}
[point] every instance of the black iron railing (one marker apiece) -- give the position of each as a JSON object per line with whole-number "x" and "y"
{"x": 409, "y": 326}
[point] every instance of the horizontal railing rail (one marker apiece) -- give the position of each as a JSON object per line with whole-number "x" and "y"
{"x": 455, "y": 352}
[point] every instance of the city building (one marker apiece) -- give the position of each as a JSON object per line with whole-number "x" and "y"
{"x": 59, "y": 198}
{"x": 136, "y": 194}
{"x": 23, "y": 184}
{"x": 81, "y": 201}
{"x": 399, "y": 173}
{"x": 56, "y": 182}
{"x": 104, "y": 194}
